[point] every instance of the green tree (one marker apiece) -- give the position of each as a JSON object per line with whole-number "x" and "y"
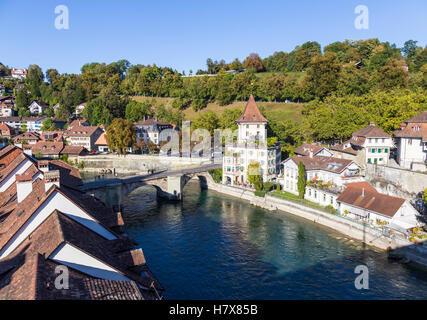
{"x": 120, "y": 135}
{"x": 322, "y": 75}
{"x": 208, "y": 120}
{"x": 34, "y": 80}
{"x": 301, "y": 183}
{"x": 254, "y": 173}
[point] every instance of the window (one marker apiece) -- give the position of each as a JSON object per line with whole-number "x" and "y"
{"x": 381, "y": 160}
{"x": 386, "y": 150}
{"x": 257, "y": 125}
{"x": 332, "y": 200}
{"x": 324, "y": 197}
{"x": 247, "y": 126}
{"x": 379, "y": 150}
{"x": 369, "y": 160}
{"x": 373, "y": 150}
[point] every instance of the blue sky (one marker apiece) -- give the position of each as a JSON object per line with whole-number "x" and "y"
{"x": 182, "y": 34}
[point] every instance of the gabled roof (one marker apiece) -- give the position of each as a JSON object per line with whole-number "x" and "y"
{"x": 102, "y": 140}
{"x": 48, "y": 147}
{"x": 331, "y": 164}
{"x": 371, "y": 131}
{"x": 27, "y": 136}
{"x": 419, "y": 118}
{"x": 59, "y": 229}
{"x": 305, "y": 149}
{"x": 74, "y": 150}
{"x": 81, "y": 131}
{"x": 251, "y": 112}
{"x": 78, "y": 123}
{"x": 363, "y": 195}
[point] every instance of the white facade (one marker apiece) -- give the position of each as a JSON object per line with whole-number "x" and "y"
{"x": 36, "y": 108}
{"x": 289, "y": 181}
{"x": 378, "y": 150}
{"x": 411, "y": 150}
{"x": 405, "y": 218}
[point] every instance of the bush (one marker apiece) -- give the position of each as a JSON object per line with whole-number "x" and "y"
{"x": 330, "y": 209}
{"x": 181, "y": 103}
{"x": 216, "y": 175}
{"x": 259, "y": 186}
{"x": 268, "y": 186}
{"x": 199, "y": 104}
{"x": 260, "y": 193}
{"x": 278, "y": 187}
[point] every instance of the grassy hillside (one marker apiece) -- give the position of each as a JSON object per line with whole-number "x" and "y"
{"x": 276, "y": 110}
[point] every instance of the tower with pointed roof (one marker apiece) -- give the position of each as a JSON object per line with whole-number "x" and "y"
{"x": 252, "y": 124}
{"x": 251, "y": 147}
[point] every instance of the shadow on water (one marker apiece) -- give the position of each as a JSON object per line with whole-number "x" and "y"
{"x": 212, "y": 246}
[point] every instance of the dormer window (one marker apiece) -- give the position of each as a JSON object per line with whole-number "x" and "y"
{"x": 417, "y": 128}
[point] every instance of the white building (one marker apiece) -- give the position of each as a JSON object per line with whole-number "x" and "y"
{"x": 312, "y": 149}
{"x": 411, "y": 142}
{"x": 325, "y": 177}
{"x": 362, "y": 202}
{"x": 79, "y": 109}
{"x": 38, "y": 107}
{"x": 20, "y": 74}
{"x": 150, "y": 131}
{"x": 251, "y": 147}
{"x": 33, "y": 124}
{"x": 367, "y": 145}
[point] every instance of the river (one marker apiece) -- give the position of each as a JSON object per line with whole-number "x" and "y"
{"x": 212, "y": 246}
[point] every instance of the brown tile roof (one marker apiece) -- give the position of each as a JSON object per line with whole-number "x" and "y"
{"x": 5, "y": 130}
{"x": 371, "y": 200}
{"x": 419, "y": 118}
{"x": 27, "y": 136}
{"x": 305, "y": 149}
{"x": 102, "y": 140}
{"x": 371, "y": 131}
{"x": 331, "y": 164}
{"x": 251, "y": 113}
{"x": 81, "y": 131}
{"x": 48, "y": 236}
{"x": 8, "y": 154}
{"x": 6, "y": 171}
{"x": 74, "y": 150}
{"x": 69, "y": 175}
{"x": 150, "y": 122}
{"x": 413, "y": 130}
{"x": 78, "y": 123}
{"x": 48, "y": 147}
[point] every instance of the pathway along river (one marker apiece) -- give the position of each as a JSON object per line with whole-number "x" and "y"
{"x": 212, "y": 246}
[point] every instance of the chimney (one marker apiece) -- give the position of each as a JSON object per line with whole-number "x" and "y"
{"x": 363, "y": 192}
{"x": 372, "y": 123}
{"x": 310, "y": 154}
{"x": 24, "y": 186}
{"x": 51, "y": 178}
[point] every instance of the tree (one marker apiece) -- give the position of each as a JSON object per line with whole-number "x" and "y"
{"x": 208, "y": 121}
{"x": 322, "y": 75}
{"x": 353, "y": 81}
{"x": 253, "y": 61}
{"x": 254, "y": 172}
{"x": 120, "y": 135}
{"x": 34, "y": 80}
{"x": 138, "y": 111}
{"x": 409, "y": 50}
{"x": 392, "y": 75}
{"x": 62, "y": 113}
{"x": 304, "y": 54}
{"x": 48, "y": 125}
{"x": 301, "y": 183}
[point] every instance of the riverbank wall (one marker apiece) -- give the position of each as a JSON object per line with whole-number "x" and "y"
{"x": 353, "y": 229}
{"x": 139, "y": 163}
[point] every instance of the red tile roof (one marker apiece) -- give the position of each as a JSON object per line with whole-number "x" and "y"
{"x": 251, "y": 113}
{"x": 331, "y": 164}
{"x": 363, "y": 195}
{"x": 305, "y": 149}
{"x": 48, "y": 147}
{"x": 371, "y": 131}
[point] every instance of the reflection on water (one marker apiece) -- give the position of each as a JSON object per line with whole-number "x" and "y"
{"x": 212, "y": 246}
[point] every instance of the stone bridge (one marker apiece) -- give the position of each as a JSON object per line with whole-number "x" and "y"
{"x": 169, "y": 184}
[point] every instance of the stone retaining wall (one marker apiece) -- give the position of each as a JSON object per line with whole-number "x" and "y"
{"x": 352, "y": 229}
